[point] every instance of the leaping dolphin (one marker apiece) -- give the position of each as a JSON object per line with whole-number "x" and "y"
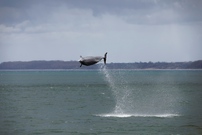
{"x": 90, "y": 60}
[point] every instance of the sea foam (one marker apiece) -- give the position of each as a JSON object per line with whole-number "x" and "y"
{"x": 138, "y": 115}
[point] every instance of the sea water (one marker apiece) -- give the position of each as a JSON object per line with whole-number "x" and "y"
{"x": 101, "y": 102}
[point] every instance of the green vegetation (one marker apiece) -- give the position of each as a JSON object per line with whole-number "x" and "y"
{"x": 75, "y": 65}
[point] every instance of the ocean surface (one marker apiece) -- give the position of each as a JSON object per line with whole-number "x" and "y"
{"x": 101, "y": 102}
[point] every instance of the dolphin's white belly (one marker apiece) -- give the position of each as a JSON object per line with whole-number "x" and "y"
{"x": 90, "y": 60}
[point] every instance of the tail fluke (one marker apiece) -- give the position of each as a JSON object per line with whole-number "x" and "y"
{"x": 105, "y": 58}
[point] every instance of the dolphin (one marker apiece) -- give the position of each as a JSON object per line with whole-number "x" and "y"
{"x": 91, "y": 60}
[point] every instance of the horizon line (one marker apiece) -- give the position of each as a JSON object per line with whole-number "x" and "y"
{"x": 107, "y": 62}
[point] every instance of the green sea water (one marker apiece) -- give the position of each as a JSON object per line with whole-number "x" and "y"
{"x": 101, "y": 102}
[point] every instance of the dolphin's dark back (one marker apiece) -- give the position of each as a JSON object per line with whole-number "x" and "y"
{"x": 90, "y": 60}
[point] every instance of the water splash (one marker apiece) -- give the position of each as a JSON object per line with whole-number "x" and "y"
{"x": 120, "y": 91}
{"x": 139, "y": 115}
{"x": 129, "y": 102}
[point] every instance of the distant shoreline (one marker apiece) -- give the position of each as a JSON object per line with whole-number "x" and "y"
{"x": 75, "y": 65}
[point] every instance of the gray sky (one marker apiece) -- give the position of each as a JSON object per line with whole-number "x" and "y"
{"x": 129, "y": 30}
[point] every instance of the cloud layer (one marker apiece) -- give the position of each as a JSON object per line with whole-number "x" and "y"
{"x": 130, "y": 30}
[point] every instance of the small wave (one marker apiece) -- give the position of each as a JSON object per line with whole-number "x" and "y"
{"x": 138, "y": 115}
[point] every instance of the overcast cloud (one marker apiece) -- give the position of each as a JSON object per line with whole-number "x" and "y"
{"x": 129, "y": 30}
